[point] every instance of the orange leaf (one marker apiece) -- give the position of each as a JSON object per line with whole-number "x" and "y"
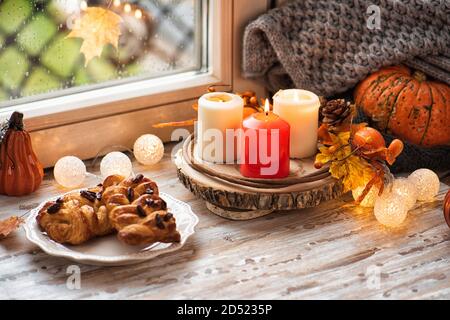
{"x": 9, "y": 225}
{"x": 249, "y": 111}
{"x": 97, "y": 27}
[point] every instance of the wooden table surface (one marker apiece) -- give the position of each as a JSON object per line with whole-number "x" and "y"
{"x": 333, "y": 251}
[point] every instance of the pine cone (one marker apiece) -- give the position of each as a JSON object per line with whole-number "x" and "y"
{"x": 335, "y": 112}
{"x": 323, "y": 103}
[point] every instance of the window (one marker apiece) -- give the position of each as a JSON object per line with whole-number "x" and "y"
{"x": 170, "y": 51}
{"x": 37, "y": 60}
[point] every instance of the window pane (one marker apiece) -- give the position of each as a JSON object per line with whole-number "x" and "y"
{"x": 37, "y": 60}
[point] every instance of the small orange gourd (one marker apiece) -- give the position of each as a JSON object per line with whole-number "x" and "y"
{"x": 21, "y": 173}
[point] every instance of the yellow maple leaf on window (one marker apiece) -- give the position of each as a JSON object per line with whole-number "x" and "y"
{"x": 97, "y": 27}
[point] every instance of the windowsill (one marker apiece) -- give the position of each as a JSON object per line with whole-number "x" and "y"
{"x": 110, "y": 101}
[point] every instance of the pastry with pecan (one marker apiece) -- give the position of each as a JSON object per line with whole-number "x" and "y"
{"x": 76, "y": 217}
{"x": 130, "y": 206}
{"x": 137, "y": 212}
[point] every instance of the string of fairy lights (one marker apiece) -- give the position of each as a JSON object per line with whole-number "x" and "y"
{"x": 70, "y": 171}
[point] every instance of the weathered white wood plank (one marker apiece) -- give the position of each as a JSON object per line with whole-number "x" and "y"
{"x": 332, "y": 251}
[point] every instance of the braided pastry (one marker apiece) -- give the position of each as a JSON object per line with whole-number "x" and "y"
{"x": 130, "y": 206}
{"x": 76, "y": 217}
{"x": 137, "y": 212}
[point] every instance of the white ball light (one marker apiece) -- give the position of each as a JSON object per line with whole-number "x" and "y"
{"x": 390, "y": 210}
{"x": 148, "y": 149}
{"x": 116, "y": 163}
{"x": 426, "y": 183}
{"x": 403, "y": 188}
{"x": 69, "y": 172}
{"x": 369, "y": 199}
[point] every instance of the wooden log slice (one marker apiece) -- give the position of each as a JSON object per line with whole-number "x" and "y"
{"x": 300, "y": 170}
{"x": 233, "y": 198}
{"x": 235, "y": 214}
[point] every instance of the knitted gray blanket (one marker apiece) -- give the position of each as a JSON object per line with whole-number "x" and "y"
{"x": 328, "y": 46}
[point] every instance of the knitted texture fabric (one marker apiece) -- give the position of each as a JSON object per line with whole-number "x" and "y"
{"x": 328, "y": 46}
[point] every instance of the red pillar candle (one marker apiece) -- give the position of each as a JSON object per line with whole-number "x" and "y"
{"x": 265, "y": 146}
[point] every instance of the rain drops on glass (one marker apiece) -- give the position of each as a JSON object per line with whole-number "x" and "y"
{"x": 69, "y": 172}
{"x": 116, "y": 163}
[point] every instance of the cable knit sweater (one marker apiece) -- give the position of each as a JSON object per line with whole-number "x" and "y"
{"x": 327, "y": 47}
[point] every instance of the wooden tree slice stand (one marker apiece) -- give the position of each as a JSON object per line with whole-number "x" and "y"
{"x": 230, "y": 195}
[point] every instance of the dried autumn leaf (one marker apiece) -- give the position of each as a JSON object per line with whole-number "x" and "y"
{"x": 352, "y": 170}
{"x": 97, "y": 27}
{"x": 9, "y": 225}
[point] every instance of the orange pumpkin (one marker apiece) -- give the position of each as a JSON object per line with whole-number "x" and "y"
{"x": 20, "y": 171}
{"x": 406, "y": 105}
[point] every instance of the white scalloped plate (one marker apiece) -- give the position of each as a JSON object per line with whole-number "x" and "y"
{"x": 108, "y": 250}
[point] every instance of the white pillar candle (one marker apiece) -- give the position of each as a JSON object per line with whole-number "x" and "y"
{"x": 300, "y": 108}
{"x": 219, "y": 116}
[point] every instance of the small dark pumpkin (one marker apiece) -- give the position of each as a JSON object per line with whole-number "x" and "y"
{"x": 21, "y": 173}
{"x": 447, "y": 208}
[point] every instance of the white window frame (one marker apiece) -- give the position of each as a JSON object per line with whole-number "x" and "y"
{"x": 82, "y": 124}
